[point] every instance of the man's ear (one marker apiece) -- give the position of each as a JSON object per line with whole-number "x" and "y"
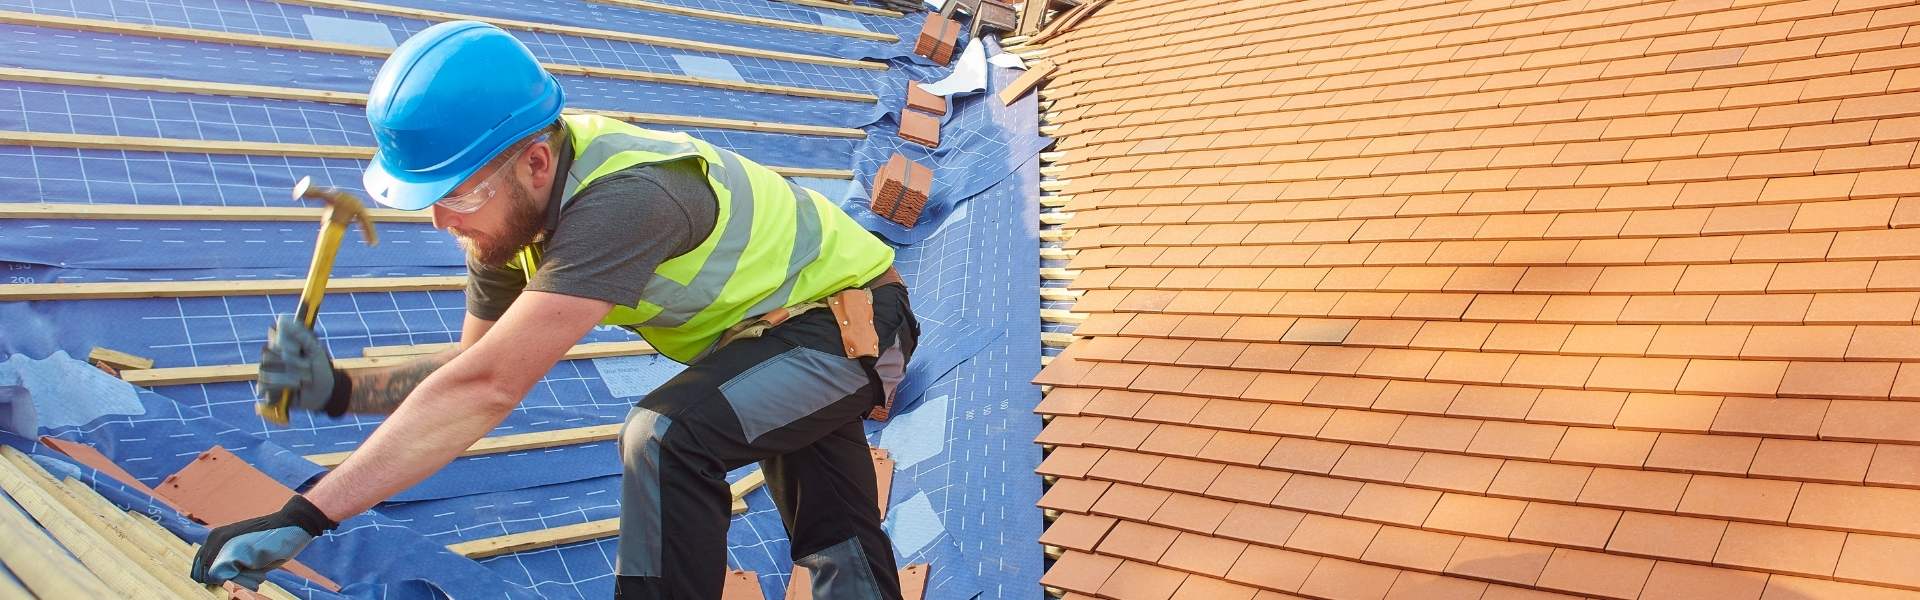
{"x": 541, "y": 163}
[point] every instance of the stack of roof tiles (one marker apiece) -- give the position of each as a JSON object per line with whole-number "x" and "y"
{"x": 1489, "y": 299}
{"x": 938, "y": 36}
{"x": 900, "y": 190}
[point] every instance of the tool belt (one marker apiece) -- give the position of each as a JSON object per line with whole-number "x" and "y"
{"x": 859, "y": 340}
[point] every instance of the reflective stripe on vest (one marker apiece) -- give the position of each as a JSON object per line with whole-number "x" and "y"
{"x": 734, "y": 273}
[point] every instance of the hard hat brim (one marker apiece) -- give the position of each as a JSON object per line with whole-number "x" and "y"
{"x": 410, "y": 193}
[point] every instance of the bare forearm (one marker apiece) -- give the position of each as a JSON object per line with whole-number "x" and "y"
{"x": 380, "y": 391}
{"x": 421, "y": 437}
{"x": 458, "y": 404}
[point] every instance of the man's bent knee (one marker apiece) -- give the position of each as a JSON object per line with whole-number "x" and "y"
{"x": 641, "y": 440}
{"x": 642, "y": 437}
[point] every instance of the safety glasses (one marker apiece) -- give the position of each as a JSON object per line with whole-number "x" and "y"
{"x": 471, "y": 201}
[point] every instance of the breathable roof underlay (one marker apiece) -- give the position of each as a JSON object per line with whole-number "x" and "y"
{"x": 147, "y": 152}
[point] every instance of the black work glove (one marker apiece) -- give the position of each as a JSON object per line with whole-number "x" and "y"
{"x": 294, "y": 360}
{"x": 246, "y": 551}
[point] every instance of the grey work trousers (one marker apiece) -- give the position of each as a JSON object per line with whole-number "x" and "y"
{"x": 790, "y": 400}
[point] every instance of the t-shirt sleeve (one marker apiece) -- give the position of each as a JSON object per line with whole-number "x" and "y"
{"x": 617, "y": 230}
{"x": 491, "y": 289}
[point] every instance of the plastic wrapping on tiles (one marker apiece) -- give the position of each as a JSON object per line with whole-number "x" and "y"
{"x": 969, "y": 72}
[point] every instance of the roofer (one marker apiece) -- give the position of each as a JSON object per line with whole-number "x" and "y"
{"x": 575, "y": 221}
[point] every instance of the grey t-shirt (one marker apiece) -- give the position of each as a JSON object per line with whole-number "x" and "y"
{"x": 607, "y": 241}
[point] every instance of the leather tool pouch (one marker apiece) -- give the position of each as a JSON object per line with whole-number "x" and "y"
{"x": 853, "y": 309}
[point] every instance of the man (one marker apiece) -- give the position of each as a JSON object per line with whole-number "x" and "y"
{"x": 575, "y": 221}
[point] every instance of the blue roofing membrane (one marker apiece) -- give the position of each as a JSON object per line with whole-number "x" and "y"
{"x": 964, "y": 487}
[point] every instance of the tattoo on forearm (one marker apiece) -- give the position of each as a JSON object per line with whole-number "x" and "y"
{"x": 381, "y": 391}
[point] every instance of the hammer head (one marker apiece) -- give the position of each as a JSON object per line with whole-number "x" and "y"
{"x": 342, "y": 206}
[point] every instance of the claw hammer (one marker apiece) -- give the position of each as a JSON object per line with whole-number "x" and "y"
{"x": 342, "y": 209}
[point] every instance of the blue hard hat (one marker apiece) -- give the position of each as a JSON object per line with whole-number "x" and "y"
{"x": 447, "y": 101}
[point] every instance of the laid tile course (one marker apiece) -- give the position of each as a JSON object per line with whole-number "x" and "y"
{"x": 1489, "y": 300}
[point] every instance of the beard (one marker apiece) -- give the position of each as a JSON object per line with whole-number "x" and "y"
{"x": 524, "y": 222}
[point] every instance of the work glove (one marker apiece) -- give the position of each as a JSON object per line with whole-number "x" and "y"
{"x": 246, "y": 551}
{"x": 295, "y": 360}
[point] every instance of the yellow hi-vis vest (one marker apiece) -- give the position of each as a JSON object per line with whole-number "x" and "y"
{"x": 774, "y": 244}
